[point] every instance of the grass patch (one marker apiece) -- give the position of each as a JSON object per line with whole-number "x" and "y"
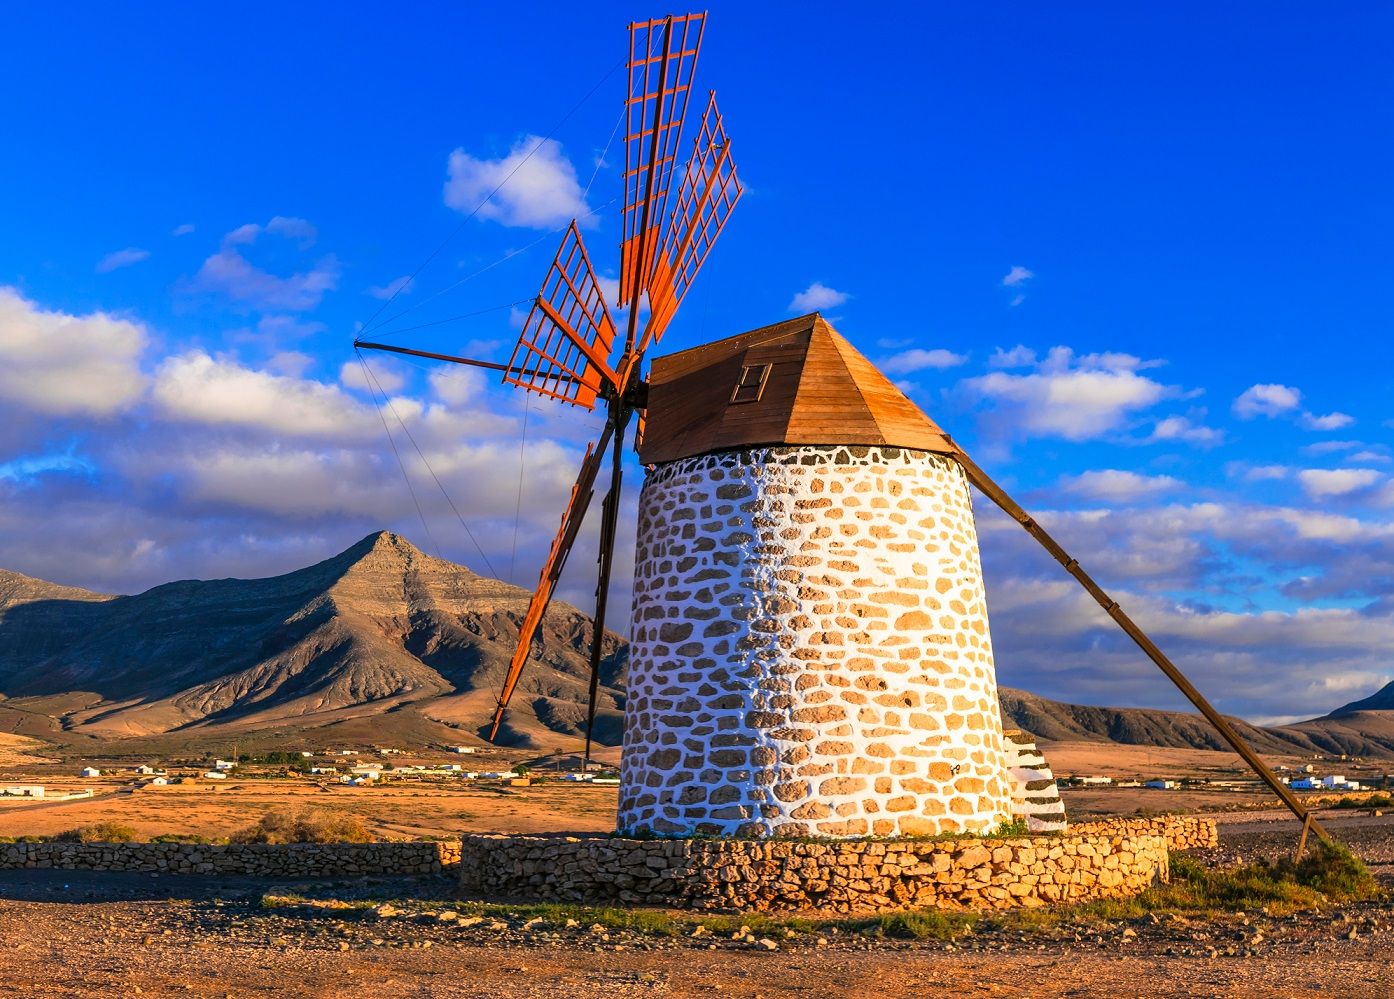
{"x": 1328, "y": 874}
{"x": 305, "y": 825}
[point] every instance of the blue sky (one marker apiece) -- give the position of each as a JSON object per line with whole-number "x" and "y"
{"x": 1135, "y": 259}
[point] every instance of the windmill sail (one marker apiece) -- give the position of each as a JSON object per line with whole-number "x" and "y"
{"x": 564, "y": 348}
{"x": 708, "y": 192}
{"x": 662, "y": 60}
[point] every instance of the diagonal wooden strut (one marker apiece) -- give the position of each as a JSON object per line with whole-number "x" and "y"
{"x": 995, "y": 493}
{"x": 609, "y": 523}
{"x": 571, "y": 520}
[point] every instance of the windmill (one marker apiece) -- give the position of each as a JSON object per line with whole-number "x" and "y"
{"x": 772, "y": 394}
{"x": 568, "y": 350}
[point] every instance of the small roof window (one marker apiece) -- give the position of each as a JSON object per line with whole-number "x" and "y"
{"x": 751, "y": 384}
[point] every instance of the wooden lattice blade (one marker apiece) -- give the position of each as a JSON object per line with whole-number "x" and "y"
{"x": 706, "y": 198}
{"x": 571, "y": 520}
{"x": 564, "y": 349}
{"x": 662, "y": 60}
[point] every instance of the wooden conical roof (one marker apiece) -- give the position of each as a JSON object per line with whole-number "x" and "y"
{"x": 818, "y": 390}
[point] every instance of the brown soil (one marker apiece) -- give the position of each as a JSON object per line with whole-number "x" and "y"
{"x": 85, "y": 934}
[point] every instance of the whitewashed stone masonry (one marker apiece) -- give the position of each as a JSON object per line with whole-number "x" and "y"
{"x": 810, "y": 650}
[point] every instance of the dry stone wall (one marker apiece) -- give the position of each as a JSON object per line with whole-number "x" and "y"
{"x": 810, "y": 651}
{"x": 1112, "y": 859}
{"x": 294, "y": 860}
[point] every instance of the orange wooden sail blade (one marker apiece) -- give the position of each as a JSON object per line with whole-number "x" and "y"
{"x": 571, "y": 520}
{"x": 708, "y": 193}
{"x": 564, "y": 349}
{"x": 662, "y": 60}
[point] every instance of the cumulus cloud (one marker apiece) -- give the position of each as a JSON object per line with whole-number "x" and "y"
{"x": 1266, "y": 400}
{"x": 1017, "y": 276}
{"x": 534, "y": 186}
{"x": 229, "y": 272}
{"x": 1331, "y": 421}
{"x": 1117, "y": 486}
{"x": 1183, "y": 429}
{"x": 817, "y": 297}
{"x": 1266, "y": 473}
{"x": 1018, "y": 357}
{"x": 121, "y": 258}
{"x": 392, "y": 289}
{"x": 1321, "y": 483}
{"x": 917, "y": 359}
{"x": 182, "y": 230}
{"x": 197, "y": 387}
{"x": 1075, "y": 397}
{"x": 62, "y": 364}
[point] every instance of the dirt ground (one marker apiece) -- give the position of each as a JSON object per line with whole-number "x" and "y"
{"x": 86, "y": 934}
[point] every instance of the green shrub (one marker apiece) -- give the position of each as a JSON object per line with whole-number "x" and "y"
{"x": 307, "y": 825}
{"x": 97, "y": 832}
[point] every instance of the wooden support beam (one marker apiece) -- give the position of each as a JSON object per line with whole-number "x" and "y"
{"x": 492, "y": 365}
{"x": 994, "y": 492}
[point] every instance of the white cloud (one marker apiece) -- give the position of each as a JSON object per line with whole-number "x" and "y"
{"x": 183, "y": 230}
{"x": 1319, "y": 483}
{"x": 1017, "y": 276}
{"x": 1117, "y": 486}
{"x": 1182, "y": 428}
{"x": 1328, "y": 447}
{"x": 122, "y": 258}
{"x": 397, "y": 287}
{"x": 1018, "y": 357}
{"x": 1069, "y": 396}
{"x": 1266, "y": 400}
{"x": 196, "y": 387}
{"x": 817, "y": 297}
{"x": 229, "y": 273}
{"x": 909, "y": 361}
{"x": 57, "y": 363}
{"x": 297, "y": 229}
{"x": 539, "y": 187}
{"x": 290, "y": 362}
{"x": 1331, "y": 421}
{"x": 1266, "y": 473}
{"x": 386, "y": 376}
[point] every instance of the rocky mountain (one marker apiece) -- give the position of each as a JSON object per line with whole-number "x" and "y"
{"x": 381, "y": 629}
{"x": 384, "y": 642}
{"x": 1367, "y": 733}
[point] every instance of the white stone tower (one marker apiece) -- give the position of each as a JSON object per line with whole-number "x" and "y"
{"x": 810, "y": 653}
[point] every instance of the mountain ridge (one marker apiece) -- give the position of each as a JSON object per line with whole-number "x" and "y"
{"x": 384, "y": 638}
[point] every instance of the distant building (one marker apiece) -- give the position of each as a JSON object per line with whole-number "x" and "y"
{"x": 22, "y": 791}
{"x": 90, "y": 772}
{"x": 462, "y": 749}
{"x": 216, "y": 775}
{"x": 324, "y": 771}
{"x": 1160, "y": 785}
{"x": 1087, "y": 781}
{"x": 145, "y": 768}
{"x": 224, "y": 764}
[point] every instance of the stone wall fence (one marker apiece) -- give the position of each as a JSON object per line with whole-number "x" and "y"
{"x": 1091, "y": 861}
{"x": 292, "y": 860}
